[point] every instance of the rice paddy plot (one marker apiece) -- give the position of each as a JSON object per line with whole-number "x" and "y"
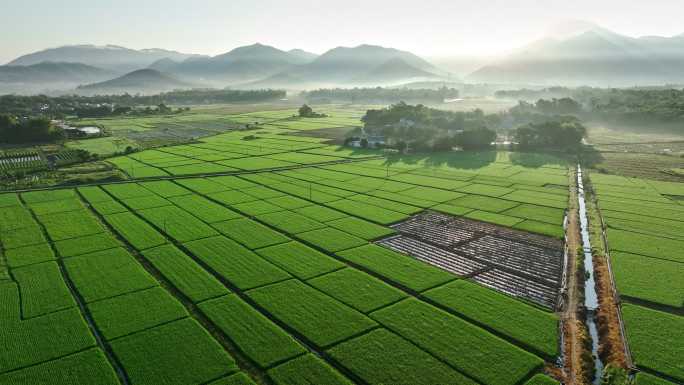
{"x": 458, "y": 343}
{"x": 397, "y": 267}
{"x": 164, "y": 353}
{"x": 250, "y": 233}
{"x": 135, "y": 230}
{"x": 307, "y": 368}
{"x": 132, "y": 312}
{"x": 299, "y": 260}
{"x": 43, "y": 289}
{"x": 382, "y": 357}
{"x": 204, "y": 209}
{"x": 233, "y": 262}
{"x": 43, "y": 338}
{"x": 184, "y": 273}
{"x": 318, "y": 317}
{"x": 29, "y": 255}
{"x": 634, "y": 278}
{"x": 260, "y": 339}
{"x": 89, "y": 366}
{"x": 108, "y": 273}
{"x": 290, "y": 222}
{"x": 357, "y": 289}
{"x": 177, "y": 223}
{"x": 331, "y": 239}
{"x": 655, "y": 347}
{"x": 526, "y": 324}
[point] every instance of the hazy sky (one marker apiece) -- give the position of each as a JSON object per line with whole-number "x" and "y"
{"x": 426, "y": 27}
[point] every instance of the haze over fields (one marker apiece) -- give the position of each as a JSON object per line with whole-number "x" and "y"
{"x": 378, "y": 44}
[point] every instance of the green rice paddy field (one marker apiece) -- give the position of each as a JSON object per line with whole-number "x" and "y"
{"x": 644, "y": 224}
{"x": 242, "y": 261}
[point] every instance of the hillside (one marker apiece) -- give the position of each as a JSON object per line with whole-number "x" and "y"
{"x": 592, "y": 57}
{"x": 112, "y": 57}
{"x": 392, "y": 71}
{"x": 344, "y": 64}
{"x": 364, "y": 64}
{"x": 53, "y": 72}
{"x": 241, "y": 64}
{"x": 140, "y": 81}
{"x": 304, "y": 56}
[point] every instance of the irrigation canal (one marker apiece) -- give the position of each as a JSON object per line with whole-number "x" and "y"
{"x": 590, "y": 296}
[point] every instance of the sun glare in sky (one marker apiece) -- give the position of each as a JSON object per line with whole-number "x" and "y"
{"x": 429, "y": 27}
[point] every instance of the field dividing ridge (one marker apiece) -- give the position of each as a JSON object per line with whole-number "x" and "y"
{"x": 101, "y": 342}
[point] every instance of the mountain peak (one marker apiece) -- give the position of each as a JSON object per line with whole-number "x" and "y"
{"x": 570, "y": 28}
{"x": 112, "y": 57}
{"x": 587, "y": 54}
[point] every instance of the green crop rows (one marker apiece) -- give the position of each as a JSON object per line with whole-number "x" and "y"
{"x": 270, "y": 274}
{"x": 644, "y": 221}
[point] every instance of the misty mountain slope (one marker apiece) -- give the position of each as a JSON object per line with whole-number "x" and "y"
{"x": 163, "y": 65}
{"x": 278, "y": 81}
{"x": 110, "y": 57}
{"x": 393, "y": 70}
{"x": 593, "y": 57}
{"x": 362, "y": 64}
{"x": 241, "y": 64}
{"x": 255, "y": 64}
{"x": 53, "y": 72}
{"x": 258, "y": 53}
{"x": 343, "y": 63}
{"x": 143, "y": 81}
{"x": 303, "y": 56}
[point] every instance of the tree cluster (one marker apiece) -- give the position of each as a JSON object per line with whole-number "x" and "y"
{"x": 306, "y": 111}
{"x": 562, "y": 133}
{"x": 424, "y": 128}
{"x": 14, "y": 130}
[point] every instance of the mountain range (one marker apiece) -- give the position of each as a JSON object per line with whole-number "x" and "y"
{"x": 109, "y": 57}
{"x": 252, "y": 66}
{"x": 588, "y": 55}
{"x": 53, "y": 72}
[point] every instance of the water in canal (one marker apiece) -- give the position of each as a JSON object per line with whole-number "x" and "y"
{"x": 590, "y": 295}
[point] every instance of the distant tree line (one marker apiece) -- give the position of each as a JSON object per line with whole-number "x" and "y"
{"x": 380, "y": 95}
{"x": 654, "y": 108}
{"x": 13, "y": 130}
{"x": 535, "y": 94}
{"x": 562, "y": 106}
{"x": 61, "y": 106}
{"x": 107, "y": 110}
